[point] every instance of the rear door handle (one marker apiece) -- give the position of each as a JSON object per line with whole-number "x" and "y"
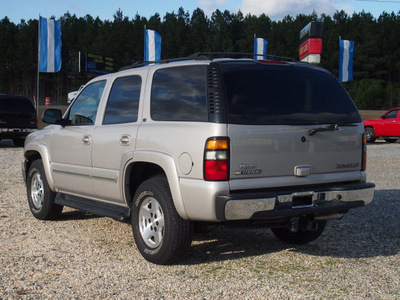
{"x": 87, "y": 139}
{"x": 125, "y": 140}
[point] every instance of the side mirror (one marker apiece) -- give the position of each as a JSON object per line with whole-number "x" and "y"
{"x": 52, "y": 116}
{"x": 383, "y": 117}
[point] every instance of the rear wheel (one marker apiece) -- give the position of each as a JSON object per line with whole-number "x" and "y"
{"x": 370, "y": 134}
{"x": 161, "y": 235}
{"x": 40, "y": 196}
{"x": 301, "y": 236}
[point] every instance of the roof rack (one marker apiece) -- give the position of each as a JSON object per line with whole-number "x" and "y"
{"x": 209, "y": 55}
{"x": 204, "y": 56}
{"x": 163, "y": 61}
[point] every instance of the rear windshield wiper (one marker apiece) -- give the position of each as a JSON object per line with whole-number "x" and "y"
{"x": 331, "y": 127}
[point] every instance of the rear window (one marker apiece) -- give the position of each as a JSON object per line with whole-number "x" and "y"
{"x": 263, "y": 94}
{"x": 16, "y": 104}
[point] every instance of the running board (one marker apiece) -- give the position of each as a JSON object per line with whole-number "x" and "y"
{"x": 102, "y": 209}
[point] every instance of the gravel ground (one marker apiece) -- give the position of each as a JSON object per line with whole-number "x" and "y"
{"x": 84, "y": 256}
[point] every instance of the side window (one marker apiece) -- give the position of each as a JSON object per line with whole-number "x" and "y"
{"x": 123, "y": 102}
{"x": 84, "y": 109}
{"x": 179, "y": 94}
{"x": 392, "y": 114}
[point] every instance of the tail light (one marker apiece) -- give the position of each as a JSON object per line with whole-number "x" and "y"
{"x": 216, "y": 159}
{"x": 364, "y": 153}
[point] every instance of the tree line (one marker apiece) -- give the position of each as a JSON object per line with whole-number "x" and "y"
{"x": 376, "y": 62}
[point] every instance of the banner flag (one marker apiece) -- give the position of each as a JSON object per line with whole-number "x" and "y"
{"x": 50, "y": 45}
{"x": 346, "y": 50}
{"x": 152, "y": 45}
{"x": 260, "y": 47}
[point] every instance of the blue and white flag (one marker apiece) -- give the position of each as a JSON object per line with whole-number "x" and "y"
{"x": 152, "y": 45}
{"x": 346, "y": 49}
{"x": 260, "y": 47}
{"x": 50, "y": 45}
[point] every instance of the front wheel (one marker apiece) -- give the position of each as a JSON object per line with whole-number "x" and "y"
{"x": 370, "y": 134}
{"x": 301, "y": 236}
{"x": 161, "y": 235}
{"x": 40, "y": 196}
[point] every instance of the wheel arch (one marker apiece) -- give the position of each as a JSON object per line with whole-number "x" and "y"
{"x": 147, "y": 164}
{"x": 38, "y": 151}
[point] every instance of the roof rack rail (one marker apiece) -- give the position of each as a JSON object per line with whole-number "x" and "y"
{"x": 163, "y": 61}
{"x": 204, "y": 56}
{"x": 246, "y": 54}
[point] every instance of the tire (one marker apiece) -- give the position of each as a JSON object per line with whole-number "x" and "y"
{"x": 40, "y": 196}
{"x": 19, "y": 142}
{"x": 370, "y": 134}
{"x": 161, "y": 235}
{"x": 301, "y": 236}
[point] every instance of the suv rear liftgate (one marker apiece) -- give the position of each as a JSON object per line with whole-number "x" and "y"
{"x": 296, "y": 146}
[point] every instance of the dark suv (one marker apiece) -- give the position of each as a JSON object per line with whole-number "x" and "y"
{"x": 17, "y": 118}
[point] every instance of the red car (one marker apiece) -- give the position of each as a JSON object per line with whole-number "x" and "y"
{"x": 386, "y": 127}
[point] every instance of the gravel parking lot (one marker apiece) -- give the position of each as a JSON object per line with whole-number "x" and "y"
{"x": 84, "y": 256}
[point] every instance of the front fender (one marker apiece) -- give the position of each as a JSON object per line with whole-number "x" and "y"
{"x": 34, "y": 149}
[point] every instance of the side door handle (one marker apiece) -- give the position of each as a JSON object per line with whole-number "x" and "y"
{"x": 125, "y": 140}
{"x": 87, "y": 139}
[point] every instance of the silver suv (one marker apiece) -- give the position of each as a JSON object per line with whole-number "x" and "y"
{"x": 202, "y": 140}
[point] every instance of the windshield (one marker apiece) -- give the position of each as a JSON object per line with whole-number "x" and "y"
{"x": 267, "y": 94}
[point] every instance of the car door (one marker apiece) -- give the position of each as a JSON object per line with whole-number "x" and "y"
{"x": 72, "y": 143}
{"x": 115, "y": 138}
{"x": 390, "y": 123}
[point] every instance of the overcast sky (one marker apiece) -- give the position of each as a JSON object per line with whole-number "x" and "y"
{"x": 16, "y": 10}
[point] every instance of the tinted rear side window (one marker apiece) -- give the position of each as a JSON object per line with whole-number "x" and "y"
{"x": 284, "y": 94}
{"x": 123, "y": 102}
{"x": 179, "y": 94}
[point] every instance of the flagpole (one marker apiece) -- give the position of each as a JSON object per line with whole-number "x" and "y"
{"x": 144, "y": 43}
{"x": 254, "y": 50}
{"x": 37, "y": 90}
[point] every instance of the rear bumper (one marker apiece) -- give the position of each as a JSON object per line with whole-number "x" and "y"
{"x": 317, "y": 201}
